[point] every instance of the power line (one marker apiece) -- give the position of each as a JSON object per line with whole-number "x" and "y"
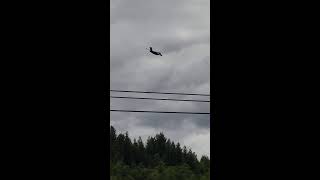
{"x": 161, "y": 99}
{"x": 153, "y": 92}
{"x": 165, "y": 112}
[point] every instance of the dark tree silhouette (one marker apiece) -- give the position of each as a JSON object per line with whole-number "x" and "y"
{"x": 139, "y": 161}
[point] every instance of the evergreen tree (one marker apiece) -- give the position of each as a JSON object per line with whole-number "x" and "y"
{"x": 178, "y": 154}
{"x": 127, "y": 150}
{"x": 184, "y": 154}
{"x": 159, "y": 159}
{"x": 160, "y": 144}
{"x": 173, "y": 154}
{"x": 169, "y": 154}
{"x": 141, "y": 152}
{"x": 113, "y": 138}
{"x": 120, "y": 143}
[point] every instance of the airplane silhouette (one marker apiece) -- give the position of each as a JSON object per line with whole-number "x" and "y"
{"x": 154, "y": 52}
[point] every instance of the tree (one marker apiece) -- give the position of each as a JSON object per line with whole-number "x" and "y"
{"x": 141, "y": 152}
{"x": 113, "y": 138}
{"x": 168, "y": 152}
{"x": 173, "y": 154}
{"x": 159, "y": 159}
{"x": 127, "y": 158}
{"x": 178, "y": 154}
{"x": 160, "y": 144}
{"x": 120, "y": 142}
{"x": 184, "y": 154}
{"x": 205, "y": 164}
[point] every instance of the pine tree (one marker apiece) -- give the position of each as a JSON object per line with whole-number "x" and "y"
{"x": 178, "y": 154}
{"x": 141, "y": 152}
{"x": 127, "y": 150}
{"x": 184, "y": 154}
{"x": 205, "y": 164}
{"x": 160, "y": 144}
{"x": 160, "y": 158}
{"x": 120, "y": 147}
{"x": 173, "y": 154}
{"x": 113, "y": 138}
{"x": 168, "y": 152}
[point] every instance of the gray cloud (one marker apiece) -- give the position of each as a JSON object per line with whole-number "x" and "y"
{"x": 180, "y": 29}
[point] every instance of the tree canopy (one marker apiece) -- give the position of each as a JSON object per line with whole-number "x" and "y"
{"x": 159, "y": 158}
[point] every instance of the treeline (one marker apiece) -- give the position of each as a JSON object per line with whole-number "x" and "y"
{"x": 158, "y": 158}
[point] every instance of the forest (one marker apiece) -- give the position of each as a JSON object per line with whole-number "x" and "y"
{"x": 157, "y": 158}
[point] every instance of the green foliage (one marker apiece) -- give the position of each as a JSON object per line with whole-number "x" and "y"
{"x": 159, "y": 159}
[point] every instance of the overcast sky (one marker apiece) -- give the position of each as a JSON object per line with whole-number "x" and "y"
{"x": 180, "y": 30}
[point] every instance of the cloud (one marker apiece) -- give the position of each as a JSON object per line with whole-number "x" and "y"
{"x": 179, "y": 29}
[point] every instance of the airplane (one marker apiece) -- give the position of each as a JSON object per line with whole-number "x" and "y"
{"x": 154, "y": 52}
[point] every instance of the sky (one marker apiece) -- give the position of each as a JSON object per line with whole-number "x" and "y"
{"x": 180, "y": 30}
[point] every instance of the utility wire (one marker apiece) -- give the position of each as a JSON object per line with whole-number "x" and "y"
{"x": 153, "y": 92}
{"x": 165, "y": 112}
{"x": 160, "y": 99}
